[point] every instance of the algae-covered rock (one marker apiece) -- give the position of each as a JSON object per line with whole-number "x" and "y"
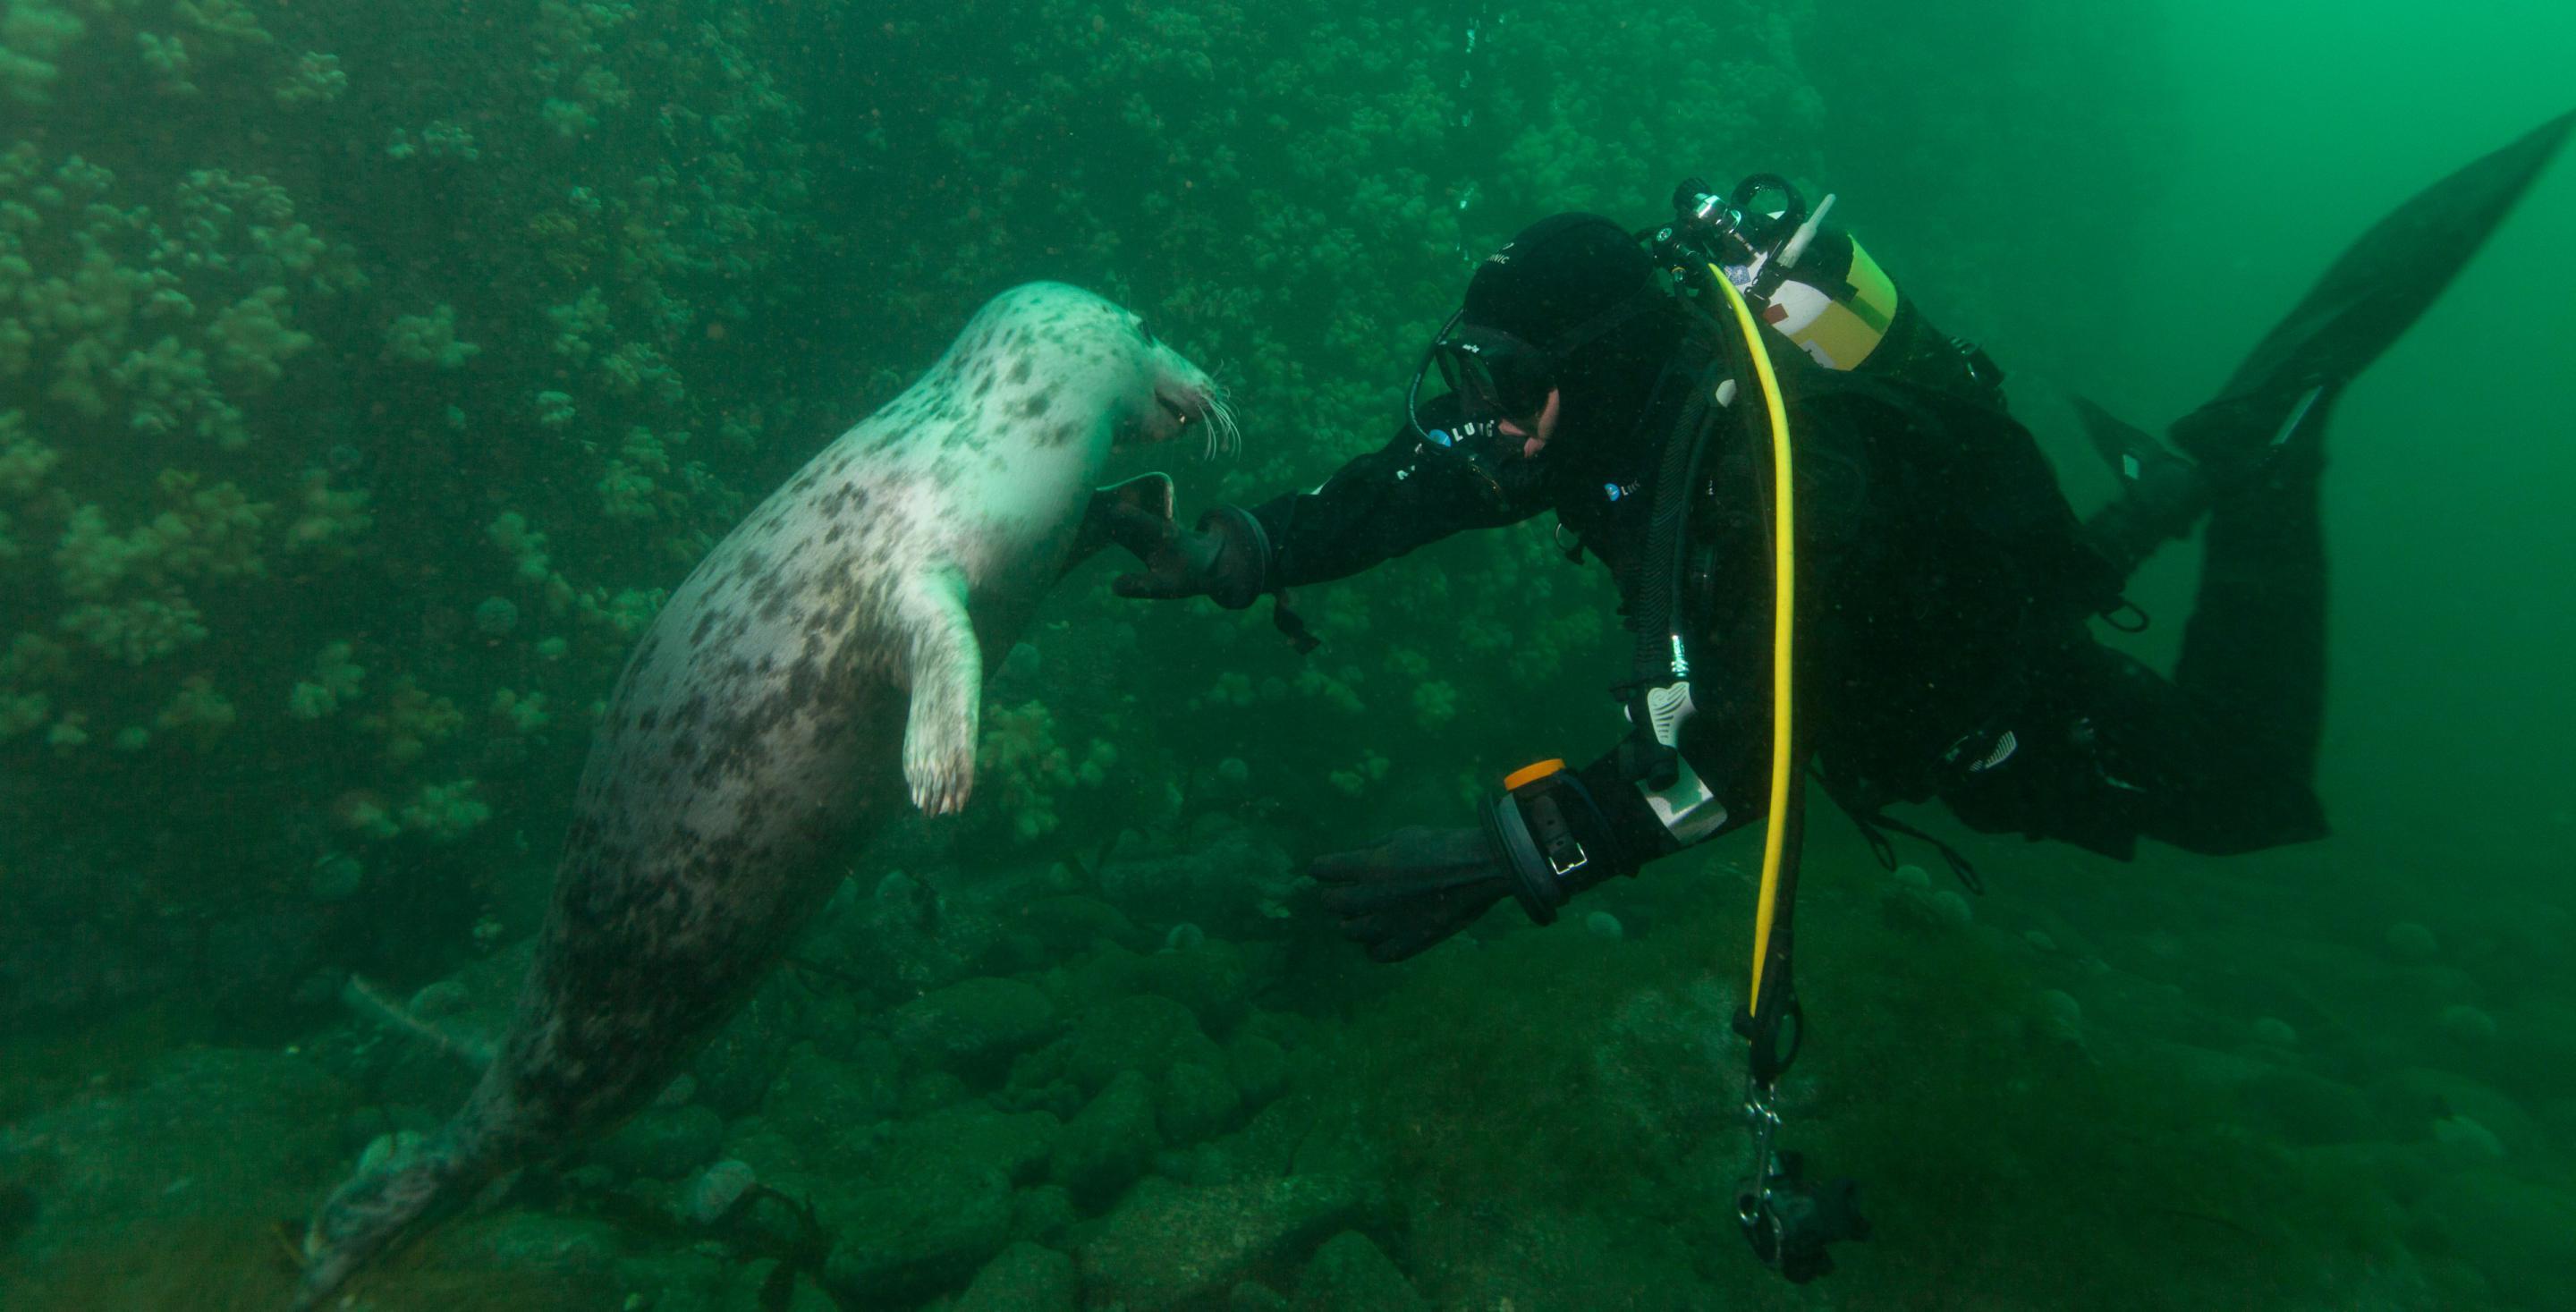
{"x": 1336, "y": 1142}
{"x": 2465, "y": 1024}
{"x": 1042, "y": 1214}
{"x": 2467, "y": 1141}
{"x": 1268, "y": 1143}
{"x": 2520, "y": 1235}
{"x": 19, "y": 1207}
{"x": 1254, "y": 1296}
{"x": 1108, "y": 1145}
{"x": 816, "y": 1103}
{"x": 1259, "y": 1067}
{"x": 664, "y": 1143}
{"x": 735, "y": 1071}
{"x": 900, "y": 1244}
{"x": 938, "y": 1202}
{"x": 2535, "y": 1046}
{"x": 1071, "y": 924}
{"x": 930, "y": 1091}
{"x": 246, "y": 1130}
{"x": 1024, "y": 1278}
{"x": 2411, "y": 1100}
{"x": 2308, "y": 1109}
{"x": 1350, "y": 1274}
{"x": 2412, "y": 943}
{"x": 1172, "y": 1246}
{"x": 1195, "y": 1104}
{"x": 1103, "y": 975}
{"x": 528, "y": 1240}
{"x": 974, "y": 1027}
{"x": 970, "y": 1139}
{"x": 1221, "y": 886}
{"x": 1147, "y": 1034}
{"x": 1212, "y": 979}
{"x": 715, "y": 1192}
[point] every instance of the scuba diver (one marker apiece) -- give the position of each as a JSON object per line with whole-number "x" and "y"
{"x": 1947, "y": 654}
{"x": 1789, "y": 470}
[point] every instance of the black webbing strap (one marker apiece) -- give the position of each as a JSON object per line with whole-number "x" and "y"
{"x": 1875, "y": 824}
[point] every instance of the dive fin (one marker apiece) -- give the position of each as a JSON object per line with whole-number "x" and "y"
{"x": 2161, "y": 494}
{"x": 2130, "y": 451}
{"x": 1119, "y": 512}
{"x": 2365, "y": 301}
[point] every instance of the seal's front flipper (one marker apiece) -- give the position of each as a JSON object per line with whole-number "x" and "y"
{"x": 944, "y": 668}
{"x": 1135, "y": 514}
{"x": 2378, "y": 288}
{"x": 2161, "y": 494}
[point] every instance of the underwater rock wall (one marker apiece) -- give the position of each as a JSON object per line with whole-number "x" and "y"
{"x": 366, "y": 380}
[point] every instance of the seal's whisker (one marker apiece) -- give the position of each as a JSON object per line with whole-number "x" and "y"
{"x": 1225, "y": 434}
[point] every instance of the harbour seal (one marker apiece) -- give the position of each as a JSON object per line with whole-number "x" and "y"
{"x": 821, "y": 666}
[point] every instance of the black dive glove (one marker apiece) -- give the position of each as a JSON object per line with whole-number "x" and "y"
{"x": 1225, "y": 559}
{"x": 1542, "y": 842}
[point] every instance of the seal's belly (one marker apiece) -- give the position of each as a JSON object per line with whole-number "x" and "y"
{"x": 741, "y": 761}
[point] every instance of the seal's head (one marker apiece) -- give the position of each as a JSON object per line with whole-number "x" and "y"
{"x": 1063, "y": 351}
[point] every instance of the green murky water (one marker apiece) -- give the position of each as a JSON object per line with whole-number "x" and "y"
{"x": 368, "y": 381}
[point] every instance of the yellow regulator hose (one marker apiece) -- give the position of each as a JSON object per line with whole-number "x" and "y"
{"x": 1784, "y": 559}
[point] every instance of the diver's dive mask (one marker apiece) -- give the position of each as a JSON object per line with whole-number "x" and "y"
{"x": 1476, "y": 440}
{"x": 1498, "y": 376}
{"x": 1495, "y": 375}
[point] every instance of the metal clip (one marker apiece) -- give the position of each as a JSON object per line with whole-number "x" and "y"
{"x": 1753, "y": 1204}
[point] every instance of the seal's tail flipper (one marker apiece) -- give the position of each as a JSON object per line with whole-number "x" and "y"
{"x": 373, "y": 1210}
{"x": 1132, "y": 514}
{"x": 2366, "y": 300}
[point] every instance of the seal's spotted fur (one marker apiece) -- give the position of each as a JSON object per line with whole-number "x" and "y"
{"x": 752, "y": 739}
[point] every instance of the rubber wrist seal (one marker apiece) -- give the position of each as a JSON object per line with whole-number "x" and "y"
{"x": 1553, "y": 842}
{"x": 1240, "y": 570}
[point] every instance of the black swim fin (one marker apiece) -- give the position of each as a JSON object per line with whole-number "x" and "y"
{"x": 2365, "y": 301}
{"x": 2161, "y": 494}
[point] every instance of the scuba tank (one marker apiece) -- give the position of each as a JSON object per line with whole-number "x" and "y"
{"x": 1813, "y": 285}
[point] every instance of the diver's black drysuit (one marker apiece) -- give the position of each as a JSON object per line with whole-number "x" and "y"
{"x": 1945, "y": 589}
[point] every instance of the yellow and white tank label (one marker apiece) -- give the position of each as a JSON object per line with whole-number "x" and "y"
{"x": 1839, "y": 334}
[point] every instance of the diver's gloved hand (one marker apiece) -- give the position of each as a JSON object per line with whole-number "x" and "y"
{"x": 1225, "y": 559}
{"x": 1541, "y": 843}
{"x": 1412, "y": 888}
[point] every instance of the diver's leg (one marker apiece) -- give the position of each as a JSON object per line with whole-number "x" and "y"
{"x": 2254, "y": 651}
{"x": 2273, "y": 403}
{"x": 2110, "y": 752}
